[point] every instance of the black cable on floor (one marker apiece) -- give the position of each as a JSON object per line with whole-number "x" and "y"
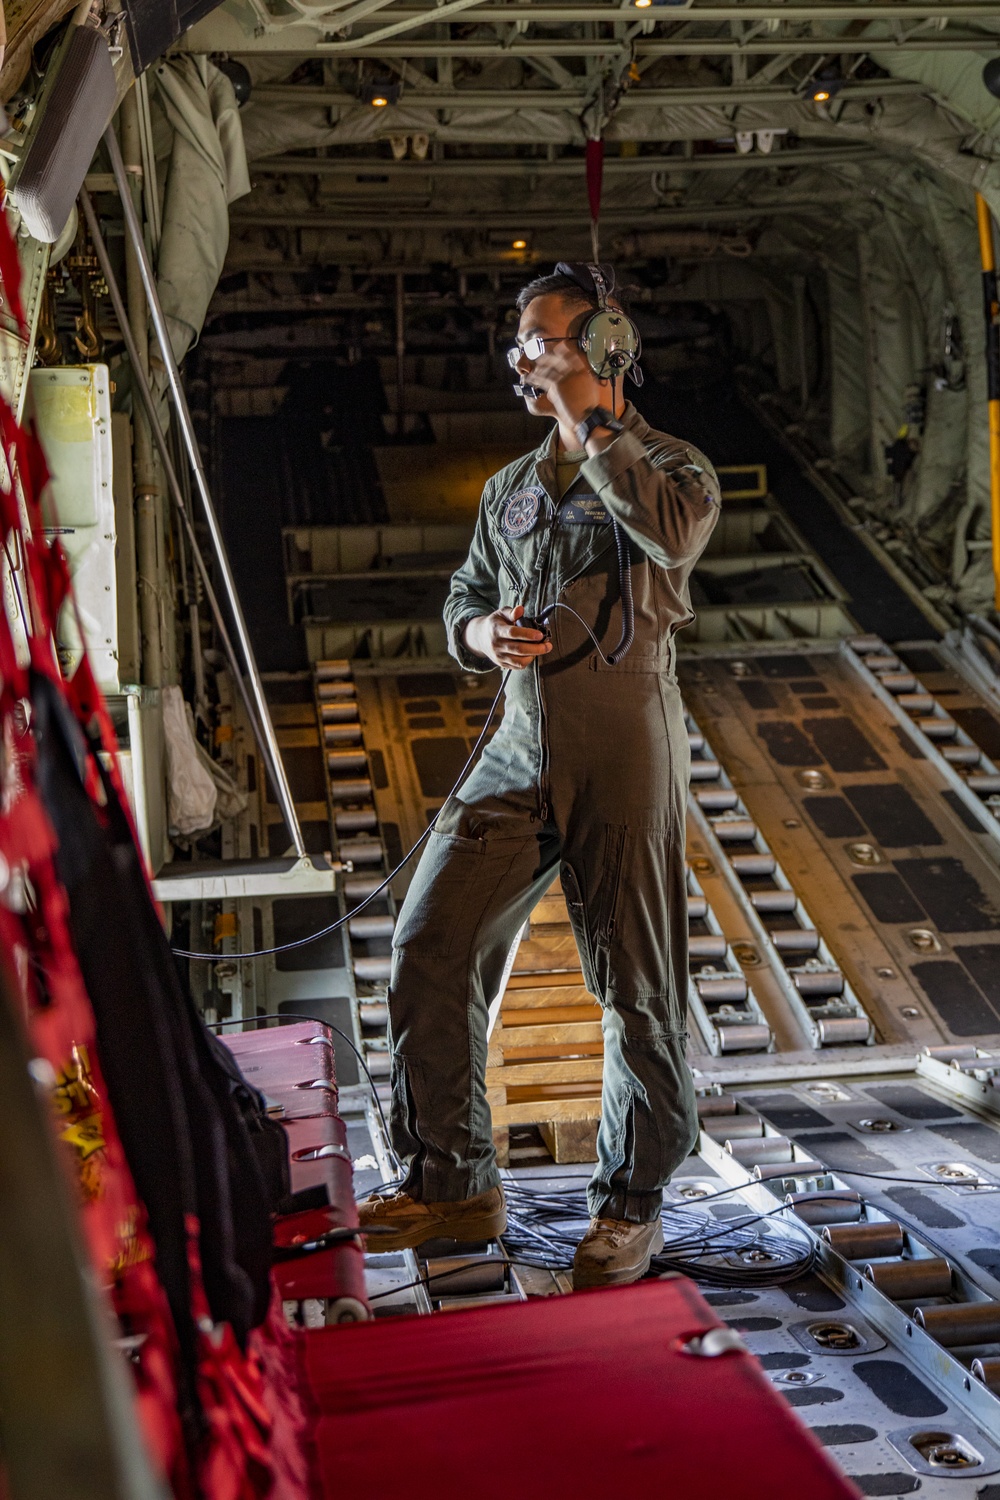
{"x": 544, "y": 1229}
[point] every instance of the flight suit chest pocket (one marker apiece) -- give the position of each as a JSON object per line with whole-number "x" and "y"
{"x": 517, "y": 560}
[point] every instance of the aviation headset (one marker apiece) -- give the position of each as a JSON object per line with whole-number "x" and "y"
{"x": 609, "y": 339}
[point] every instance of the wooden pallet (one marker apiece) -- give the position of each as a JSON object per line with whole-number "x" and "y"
{"x": 546, "y": 1054}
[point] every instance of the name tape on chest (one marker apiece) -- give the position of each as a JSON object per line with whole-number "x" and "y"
{"x": 583, "y": 510}
{"x": 521, "y": 512}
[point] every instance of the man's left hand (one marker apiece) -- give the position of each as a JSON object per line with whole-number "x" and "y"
{"x": 563, "y": 373}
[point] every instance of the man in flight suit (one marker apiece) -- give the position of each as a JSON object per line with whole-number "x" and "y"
{"x": 587, "y": 775}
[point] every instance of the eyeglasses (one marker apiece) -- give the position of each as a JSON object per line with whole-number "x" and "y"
{"x": 534, "y": 349}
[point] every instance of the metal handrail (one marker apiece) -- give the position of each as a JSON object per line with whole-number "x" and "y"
{"x": 262, "y": 718}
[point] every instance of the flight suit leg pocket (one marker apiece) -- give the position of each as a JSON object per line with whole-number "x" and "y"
{"x": 644, "y": 925}
{"x": 666, "y": 1116}
{"x": 593, "y": 907}
{"x": 612, "y": 871}
{"x": 581, "y": 925}
{"x": 436, "y": 904}
{"x": 406, "y": 1079}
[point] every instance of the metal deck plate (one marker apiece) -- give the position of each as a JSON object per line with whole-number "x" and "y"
{"x": 905, "y": 893}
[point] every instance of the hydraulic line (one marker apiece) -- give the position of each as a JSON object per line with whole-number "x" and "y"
{"x": 147, "y": 508}
{"x": 544, "y": 1229}
{"x": 991, "y": 313}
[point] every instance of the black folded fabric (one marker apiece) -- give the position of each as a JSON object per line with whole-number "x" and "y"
{"x": 182, "y": 1114}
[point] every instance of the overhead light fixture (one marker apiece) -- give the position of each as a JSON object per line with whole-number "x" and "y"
{"x": 824, "y": 88}
{"x": 519, "y": 245}
{"x": 380, "y": 92}
{"x": 642, "y": 4}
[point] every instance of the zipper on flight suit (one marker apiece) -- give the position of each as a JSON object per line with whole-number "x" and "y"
{"x": 544, "y": 558}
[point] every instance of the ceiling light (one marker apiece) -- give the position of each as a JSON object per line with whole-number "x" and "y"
{"x": 642, "y": 4}
{"x": 823, "y": 88}
{"x": 380, "y": 92}
{"x": 519, "y": 245}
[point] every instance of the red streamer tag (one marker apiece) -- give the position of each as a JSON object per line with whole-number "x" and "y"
{"x": 595, "y": 175}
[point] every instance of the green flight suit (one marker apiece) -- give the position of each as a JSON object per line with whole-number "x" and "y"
{"x": 587, "y": 775}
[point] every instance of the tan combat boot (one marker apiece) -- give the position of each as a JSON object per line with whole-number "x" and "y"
{"x": 479, "y": 1218}
{"x": 614, "y": 1252}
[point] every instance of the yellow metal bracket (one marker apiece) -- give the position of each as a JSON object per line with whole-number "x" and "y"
{"x": 746, "y": 481}
{"x": 991, "y": 311}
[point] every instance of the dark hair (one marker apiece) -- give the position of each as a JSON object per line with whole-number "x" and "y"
{"x": 566, "y": 287}
{"x": 556, "y": 285}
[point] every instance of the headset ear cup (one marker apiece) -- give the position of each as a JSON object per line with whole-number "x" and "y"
{"x": 611, "y": 343}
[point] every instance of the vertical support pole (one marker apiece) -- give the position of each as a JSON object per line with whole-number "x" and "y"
{"x": 991, "y": 313}
{"x": 148, "y": 528}
{"x": 595, "y": 176}
{"x": 400, "y": 355}
{"x": 254, "y": 687}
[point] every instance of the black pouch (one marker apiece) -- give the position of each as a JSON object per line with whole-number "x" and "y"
{"x": 186, "y": 1140}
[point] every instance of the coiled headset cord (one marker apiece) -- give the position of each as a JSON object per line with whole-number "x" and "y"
{"x": 628, "y": 634}
{"x": 628, "y": 604}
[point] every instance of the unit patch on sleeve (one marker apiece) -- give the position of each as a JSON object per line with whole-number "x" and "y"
{"x": 521, "y": 512}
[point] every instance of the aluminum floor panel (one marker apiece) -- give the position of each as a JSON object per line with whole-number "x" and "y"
{"x": 902, "y": 889}
{"x": 420, "y": 720}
